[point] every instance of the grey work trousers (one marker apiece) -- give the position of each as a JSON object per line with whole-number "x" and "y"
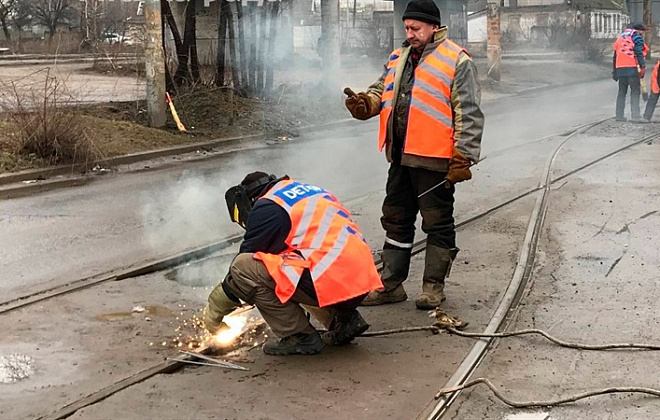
{"x": 252, "y": 283}
{"x": 624, "y": 83}
{"x": 650, "y": 105}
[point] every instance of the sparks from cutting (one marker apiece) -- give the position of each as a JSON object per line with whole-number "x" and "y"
{"x": 236, "y": 325}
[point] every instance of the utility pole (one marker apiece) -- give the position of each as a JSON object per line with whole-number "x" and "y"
{"x": 155, "y": 65}
{"x": 330, "y": 54}
{"x": 648, "y": 23}
{"x": 493, "y": 45}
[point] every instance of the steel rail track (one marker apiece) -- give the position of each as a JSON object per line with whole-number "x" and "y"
{"x": 510, "y": 302}
{"x": 203, "y": 251}
{"x": 116, "y": 275}
{"x": 512, "y": 295}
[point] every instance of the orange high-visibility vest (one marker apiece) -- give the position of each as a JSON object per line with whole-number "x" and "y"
{"x": 430, "y": 130}
{"x": 624, "y": 47}
{"x": 654, "y": 79}
{"x": 323, "y": 239}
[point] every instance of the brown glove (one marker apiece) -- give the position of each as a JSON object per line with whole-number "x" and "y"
{"x": 459, "y": 169}
{"x": 362, "y": 106}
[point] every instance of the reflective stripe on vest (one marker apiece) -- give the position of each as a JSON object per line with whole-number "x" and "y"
{"x": 430, "y": 130}
{"x": 324, "y": 239}
{"x": 386, "y": 99}
{"x": 655, "y": 88}
{"x": 624, "y": 47}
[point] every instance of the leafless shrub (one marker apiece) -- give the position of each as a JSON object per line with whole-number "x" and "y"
{"x": 46, "y": 129}
{"x": 593, "y": 50}
{"x": 369, "y": 41}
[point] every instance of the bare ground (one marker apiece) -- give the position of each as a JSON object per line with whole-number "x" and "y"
{"x": 98, "y": 340}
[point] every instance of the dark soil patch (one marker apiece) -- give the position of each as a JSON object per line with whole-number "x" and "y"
{"x": 120, "y": 128}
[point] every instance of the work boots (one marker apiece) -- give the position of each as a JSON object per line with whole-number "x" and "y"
{"x": 396, "y": 263}
{"x": 301, "y": 343}
{"x": 345, "y": 327}
{"x": 437, "y": 265}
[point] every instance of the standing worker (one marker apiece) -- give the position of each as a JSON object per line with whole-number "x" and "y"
{"x": 431, "y": 127}
{"x": 300, "y": 248}
{"x": 629, "y": 68}
{"x": 655, "y": 93}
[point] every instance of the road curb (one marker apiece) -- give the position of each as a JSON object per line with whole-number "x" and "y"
{"x": 36, "y": 188}
{"x": 545, "y": 88}
{"x": 79, "y": 170}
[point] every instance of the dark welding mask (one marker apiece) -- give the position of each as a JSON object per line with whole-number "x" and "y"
{"x": 241, "y": 198}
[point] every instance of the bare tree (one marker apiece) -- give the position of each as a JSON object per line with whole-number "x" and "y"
{"x": 188, "y": 67}
{"x": 51, "y": 14}
{"x": 6, "y": 9}
{"x": 92, "y": 13}
{"x": 21, "y": 18}
{"x": 223, "y": 11}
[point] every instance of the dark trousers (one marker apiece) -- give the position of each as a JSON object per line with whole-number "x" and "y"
{"x": 624, "y": 83}
{"x": 650, "y": 105}
{"x": 401, "y": 207}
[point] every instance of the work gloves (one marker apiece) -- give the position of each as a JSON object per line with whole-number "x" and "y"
{"x": 642, "y": 72}
{"x": 219, "y": 306}
{"x": 459, "y": 169}
{"x": 363, "y": 105}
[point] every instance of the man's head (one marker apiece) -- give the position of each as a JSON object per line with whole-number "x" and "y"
{"x": 421, "y": 21}
{"x": 639, "y": 27}
{"x": 255, "y": 184}
{"x": 241, "y": 197}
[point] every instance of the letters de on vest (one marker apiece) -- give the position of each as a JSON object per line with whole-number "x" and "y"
{"x": 324, "y": 240}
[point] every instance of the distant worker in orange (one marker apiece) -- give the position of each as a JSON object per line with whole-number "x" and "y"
{"x": 628, "y": 68}
{"x": 655, "y": 93}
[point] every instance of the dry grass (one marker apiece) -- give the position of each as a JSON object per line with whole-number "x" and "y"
{"x": 110, "y": 138}
{"x": 43, "y": 129}
{"x": 116, "y": 138}
{"x": 38, "y": 131}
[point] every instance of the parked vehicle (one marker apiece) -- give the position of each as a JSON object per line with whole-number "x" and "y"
{"x": 113, "y": 38}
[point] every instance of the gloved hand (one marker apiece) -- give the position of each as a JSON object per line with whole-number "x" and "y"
{"x": 614, "y": 76}
{"x": 642, "y": 72}
{"x": 362, "y": 106}
{"x": 218, "y": 329}
{"x": 459, "y": 169}
{"x": 219, "y": 306}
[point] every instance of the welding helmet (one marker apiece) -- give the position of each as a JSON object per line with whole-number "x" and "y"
{"x": 241, "y": 197}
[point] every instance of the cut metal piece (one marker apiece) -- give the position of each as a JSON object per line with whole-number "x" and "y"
{"x": 220, "y": 365}
{"x": 219, "y": 362}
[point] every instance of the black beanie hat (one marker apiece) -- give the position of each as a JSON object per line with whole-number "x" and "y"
{"x": 424, "y": 10}
{"x": 253, "y": 187}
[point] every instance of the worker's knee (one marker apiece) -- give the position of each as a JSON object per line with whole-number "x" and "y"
{"x": 247, "y": 275}
{"x": 241, "y": 265}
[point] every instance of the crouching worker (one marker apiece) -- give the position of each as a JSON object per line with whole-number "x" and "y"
{"x": 300, "y": 249}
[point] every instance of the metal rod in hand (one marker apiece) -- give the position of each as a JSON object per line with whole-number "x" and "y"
{"x": 444, "y": 181}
